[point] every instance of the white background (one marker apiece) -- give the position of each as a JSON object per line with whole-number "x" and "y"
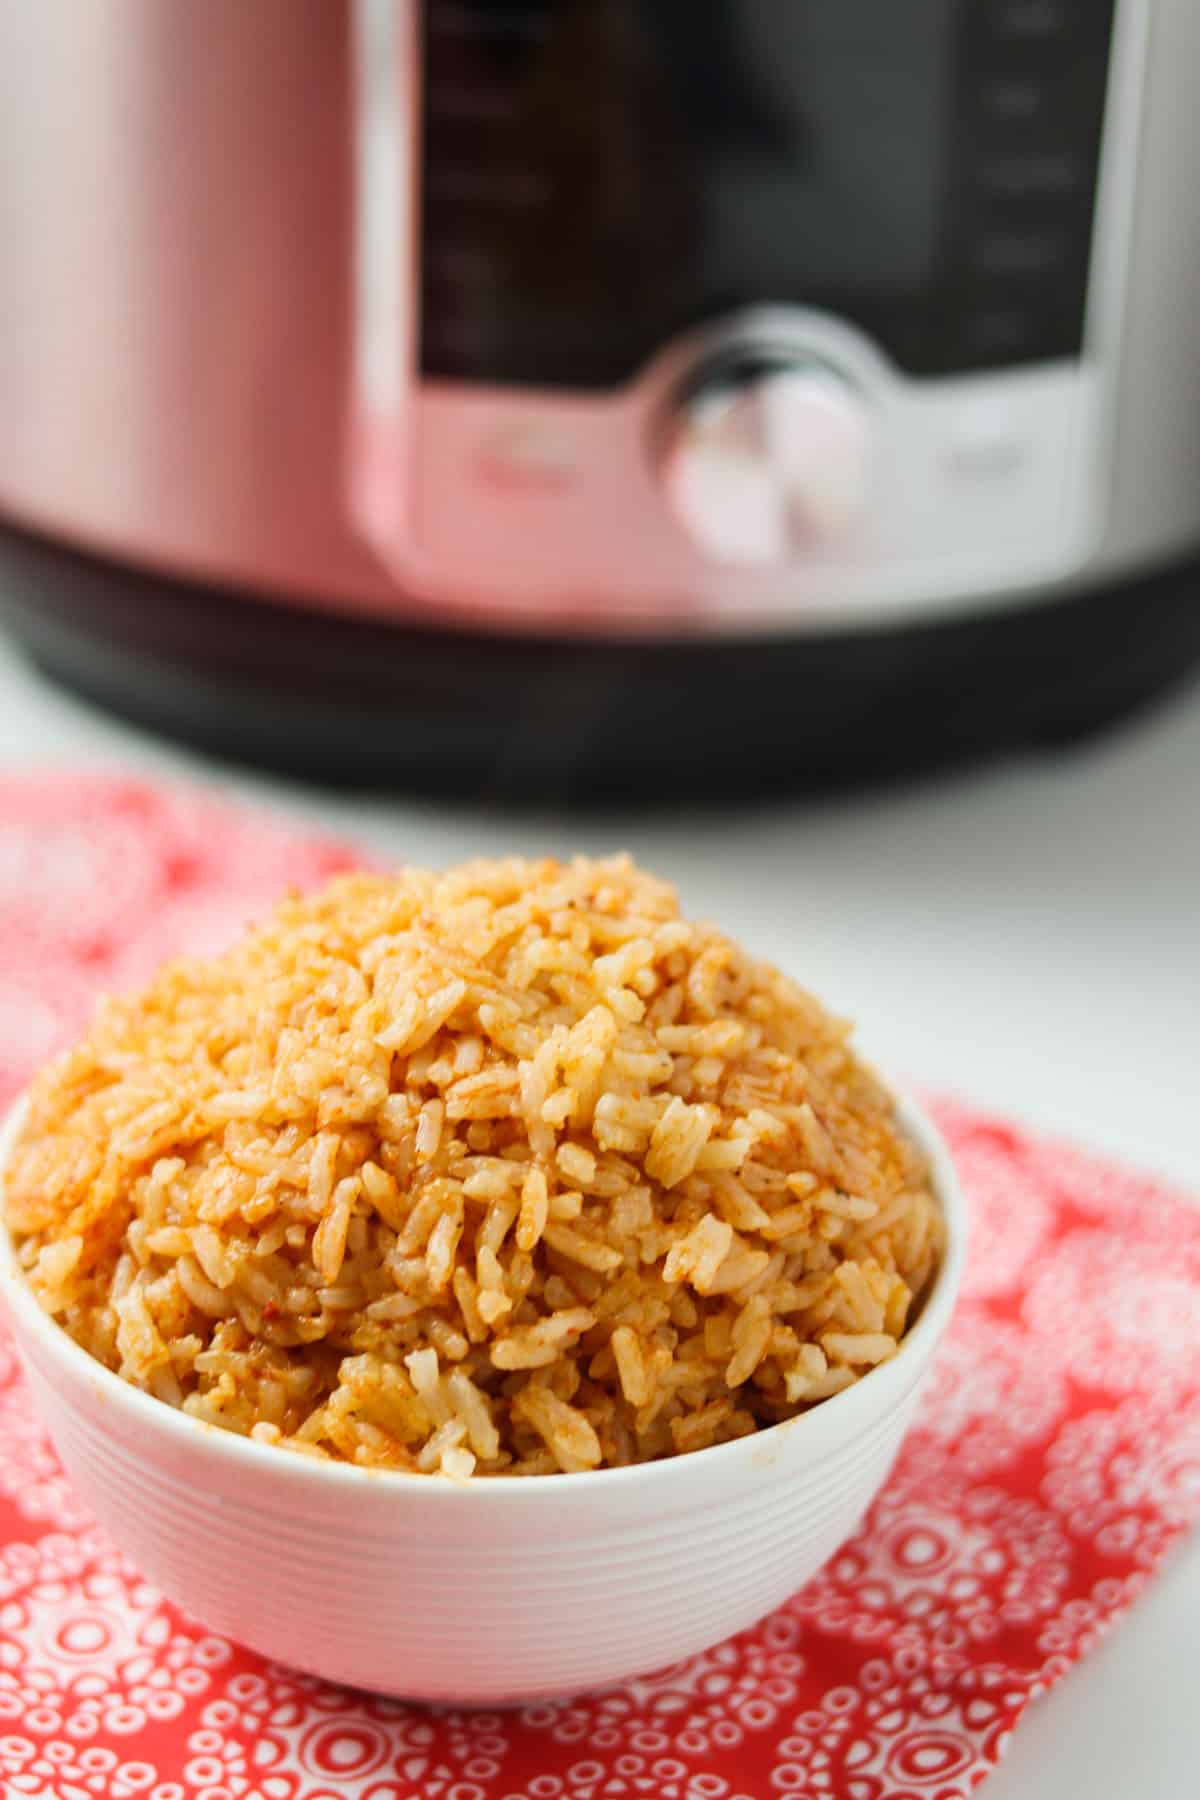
{"x": 1027, "y": 935}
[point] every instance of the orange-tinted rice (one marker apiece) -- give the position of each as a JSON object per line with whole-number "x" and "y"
{"x": 504, "y": 1170}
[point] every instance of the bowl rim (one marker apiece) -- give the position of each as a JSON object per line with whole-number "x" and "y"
{"x": 835, "y": 1417}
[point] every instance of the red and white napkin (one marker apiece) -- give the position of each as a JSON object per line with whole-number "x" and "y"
{"x": 1056, "y": 1458}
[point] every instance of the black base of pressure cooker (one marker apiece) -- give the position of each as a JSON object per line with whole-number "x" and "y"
{"x": 350, "y": 701}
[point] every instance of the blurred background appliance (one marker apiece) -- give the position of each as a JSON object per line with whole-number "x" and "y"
{"x": 602, "y": 396}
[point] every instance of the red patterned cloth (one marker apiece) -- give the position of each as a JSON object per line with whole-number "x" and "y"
{"x": 1056, "y": 1458}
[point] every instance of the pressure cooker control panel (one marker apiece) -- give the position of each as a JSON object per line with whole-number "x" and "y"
{"x": 774, "y": 309}
{"x": 599, "y": 176}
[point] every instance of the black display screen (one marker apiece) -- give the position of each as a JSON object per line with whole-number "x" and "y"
{"x": 601, "y": 175}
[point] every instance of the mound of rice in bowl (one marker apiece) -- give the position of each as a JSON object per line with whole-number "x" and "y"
{"x": 504, "y": 1170}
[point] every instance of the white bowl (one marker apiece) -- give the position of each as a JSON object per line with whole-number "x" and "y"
{"x": 493, "y": 1591}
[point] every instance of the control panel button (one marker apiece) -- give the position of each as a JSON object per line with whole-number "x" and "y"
{"x": 1016, "y": 99}
{"x": 767, "y": 459}
{"x": 529, "y": 456}
{"x": 1032, "y": 174}
{"x": 996, "y": 333}
{"x": 985, "y": 457}
{"x": 1032, "y": 21}
{"x": 1022, "y": 254}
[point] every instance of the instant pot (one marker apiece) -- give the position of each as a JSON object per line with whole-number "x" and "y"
{"x": 602, "y": 395}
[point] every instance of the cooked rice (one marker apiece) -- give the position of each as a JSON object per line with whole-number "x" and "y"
{"x": 504, "y": 1170}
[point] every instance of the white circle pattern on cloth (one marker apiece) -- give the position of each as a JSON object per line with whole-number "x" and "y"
{"x": 1048, "y": 1472}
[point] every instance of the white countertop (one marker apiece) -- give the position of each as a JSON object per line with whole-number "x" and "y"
{"x": 1028, "y": 935}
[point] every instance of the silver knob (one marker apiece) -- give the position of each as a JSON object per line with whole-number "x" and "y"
{"x": 767, "y": 457}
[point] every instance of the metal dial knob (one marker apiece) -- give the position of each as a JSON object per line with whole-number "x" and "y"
{"x": 767, "y": 457}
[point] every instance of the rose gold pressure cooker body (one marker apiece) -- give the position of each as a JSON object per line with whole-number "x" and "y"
{"x": 602, "y": 396}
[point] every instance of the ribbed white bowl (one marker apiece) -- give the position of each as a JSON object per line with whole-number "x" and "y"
{"x": 498, "y": 1590}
